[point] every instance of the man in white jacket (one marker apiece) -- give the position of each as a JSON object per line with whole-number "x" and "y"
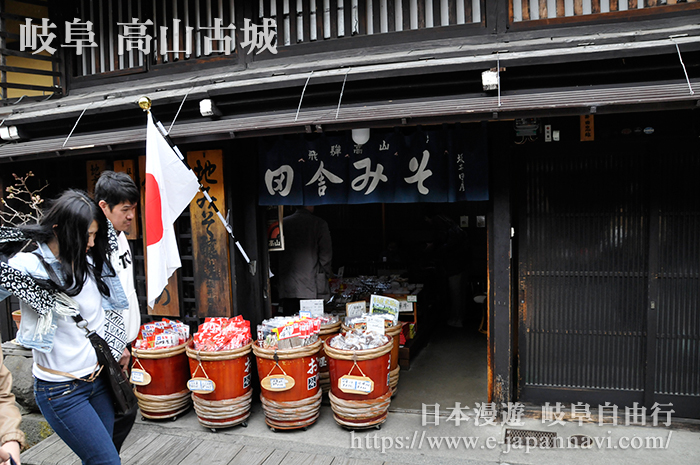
{"x": 117, "y": 196}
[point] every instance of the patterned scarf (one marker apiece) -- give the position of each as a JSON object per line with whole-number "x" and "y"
{"x": 45, "y": 300}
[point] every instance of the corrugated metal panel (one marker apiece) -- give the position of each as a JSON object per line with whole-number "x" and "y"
{"x": 460, "y": 108}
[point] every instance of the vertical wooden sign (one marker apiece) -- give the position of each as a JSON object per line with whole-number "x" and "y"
{"x": 127, "y": 166}
{"x": 212, "y": 270}
{"x": 587, "y": 128}
{"x": 168, "y": 304}
{"x": 93, "y": 169}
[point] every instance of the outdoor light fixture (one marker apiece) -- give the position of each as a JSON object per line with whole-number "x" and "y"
{"x": 207, "y": 108}
{"x": 9, "y": 133}
{"x": 360, "y": 136}
{"x": 489, "y": 79}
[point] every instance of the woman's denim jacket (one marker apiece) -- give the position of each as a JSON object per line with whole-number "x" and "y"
{"x": 28, "y": 335}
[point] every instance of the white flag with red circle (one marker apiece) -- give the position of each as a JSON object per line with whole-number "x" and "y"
{"x": 170, "y": 187}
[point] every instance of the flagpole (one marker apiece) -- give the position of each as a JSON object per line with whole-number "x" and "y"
{"x": 145, "y": 104}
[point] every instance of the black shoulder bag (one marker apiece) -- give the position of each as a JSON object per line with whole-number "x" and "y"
{"x": 122, "y": 392}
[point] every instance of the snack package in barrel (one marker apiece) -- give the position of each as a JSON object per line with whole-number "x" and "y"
{"x": 162, "y": 335}
{"x": 217, "y": 334}
{"x": 288, "y": 332}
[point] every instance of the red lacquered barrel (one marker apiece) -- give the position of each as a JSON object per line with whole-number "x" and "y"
{"x": 287, "y": 404}
{"x": 394, "y": 369}
{"x": 230, "y": 370}
{"x": 166, "y": 395}
{"x": 360, "y": 410}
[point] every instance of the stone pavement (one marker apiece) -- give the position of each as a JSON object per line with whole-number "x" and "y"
{"x": 401, "y": 440}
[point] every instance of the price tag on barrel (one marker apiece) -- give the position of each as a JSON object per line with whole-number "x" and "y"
{"x": 139, "y": 376}
{"x": 351, "y": 384}
{"x": 277, "y": 383}
{"x": 201, "y": 385}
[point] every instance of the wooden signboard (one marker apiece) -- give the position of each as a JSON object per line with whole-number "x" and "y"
{"x": 587, "y": 128}
{"x": 168, "y": 304}
{"x": 93, "y": 169}
{"x": 127, "y": 166}
{"x": 210, "y": 246}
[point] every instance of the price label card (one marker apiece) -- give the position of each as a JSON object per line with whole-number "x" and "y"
{"x": 405, "y": 307}
{"x": 313, "y": 306}
{"x": 355, "y": 384}
{"x": 376, "y": 325}
{"x": 305, "y": 313}
{"x": 278, "y": 383}
{"x": 412, "y": 298}
{"x": 201, "y": 385}
{"x": 355, "y": 308}
{"x": 140, "y": 377}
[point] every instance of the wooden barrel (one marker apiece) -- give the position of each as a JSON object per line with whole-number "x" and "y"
{"x": 163, "y": 393}
{"x": 360, "y": 394}
{"x": 394, "y": 332}
{"x": 290, "y": 393}
{"x": 327, "y": 331}
{"x": 230, "y": 374}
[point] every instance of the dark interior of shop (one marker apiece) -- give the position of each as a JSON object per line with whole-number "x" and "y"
{"x": 445, "y": 362}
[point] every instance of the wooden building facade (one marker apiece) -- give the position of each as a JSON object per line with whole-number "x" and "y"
{"x": 592, "y": 127}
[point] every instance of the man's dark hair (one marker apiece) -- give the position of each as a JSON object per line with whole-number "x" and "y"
{"x": 115, "y": 188}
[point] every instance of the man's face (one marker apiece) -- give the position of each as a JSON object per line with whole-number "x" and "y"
{"x": 121, "y": 215}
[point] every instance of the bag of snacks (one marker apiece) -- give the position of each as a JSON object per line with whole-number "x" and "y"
{"x": 162, "y": 335}
{"x": 217, "y": 334}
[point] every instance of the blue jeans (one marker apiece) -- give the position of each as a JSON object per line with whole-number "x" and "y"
{"x": 82, "y": 414}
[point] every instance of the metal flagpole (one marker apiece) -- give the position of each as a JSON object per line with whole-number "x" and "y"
{"x": 145, "y": 105}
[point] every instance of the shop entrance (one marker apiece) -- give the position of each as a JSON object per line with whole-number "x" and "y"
{"x": 441, "y": 250}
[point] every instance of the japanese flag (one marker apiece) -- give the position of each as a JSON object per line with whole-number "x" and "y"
{"x": 170, "y": 187}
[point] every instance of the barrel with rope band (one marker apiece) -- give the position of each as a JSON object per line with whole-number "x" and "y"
{"x": 290, "y": 393}
{"x": 360, "y": 393}
{"x": 160, "y": 377}
{"x": 221, "y": 385}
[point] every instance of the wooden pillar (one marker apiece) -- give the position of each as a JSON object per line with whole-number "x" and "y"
{"x": 501, "y": 321}
{"x": 212, "y": 274}
{"x": 93, "y": 169}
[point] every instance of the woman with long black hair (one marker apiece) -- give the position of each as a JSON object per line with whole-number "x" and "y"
{"x": 71, "y": 259}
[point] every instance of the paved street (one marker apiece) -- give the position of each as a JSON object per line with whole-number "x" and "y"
{"x": 402, "y": 438}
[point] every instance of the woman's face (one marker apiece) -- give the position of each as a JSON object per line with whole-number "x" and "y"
{"x": 92, "y": 232}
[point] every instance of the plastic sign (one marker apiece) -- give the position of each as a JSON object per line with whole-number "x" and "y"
{"x": 351, "y": 384}
{"x": 140, "y": 377}
{"x": 277, "y": 383}
{"x": 201, "y": 385}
